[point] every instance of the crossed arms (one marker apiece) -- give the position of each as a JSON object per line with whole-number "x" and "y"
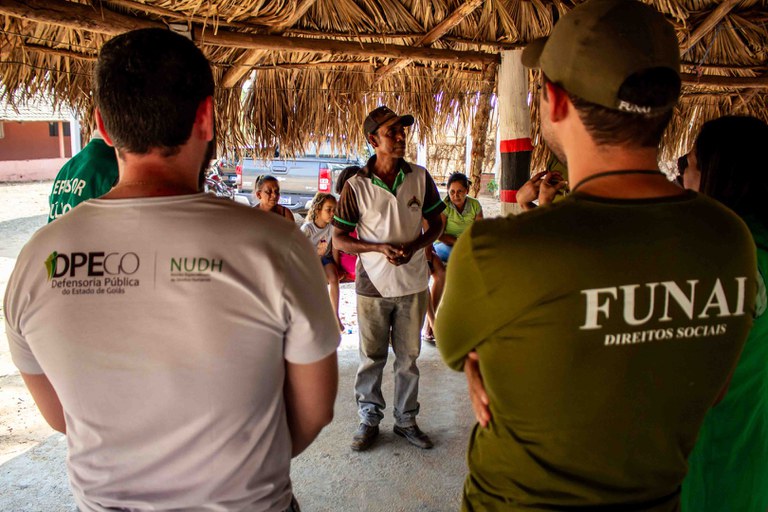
{"x": 309, "y": 391}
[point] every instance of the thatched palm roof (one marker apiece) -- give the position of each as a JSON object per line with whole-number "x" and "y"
{"x": 292, "y": 71}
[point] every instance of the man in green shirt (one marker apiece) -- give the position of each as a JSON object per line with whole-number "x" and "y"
{"x": 89, "y": 174}
{"x": 604, "y": 325}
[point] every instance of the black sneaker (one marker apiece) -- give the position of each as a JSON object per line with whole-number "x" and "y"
{"x": 415, "y": 436}
{"x": 364, "y": 437}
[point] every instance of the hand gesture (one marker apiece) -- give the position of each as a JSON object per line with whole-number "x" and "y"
{"x": 529, "y": 192}
{"x": 402, "y": 254}
{"x": 477, "y": 394}
{"x": 543, "y": 186}
{"x": 322, "y": 247}
{"x": 406, "y": 253}
{"x": 391, "y": 252}
{"x": 551, "y": 184}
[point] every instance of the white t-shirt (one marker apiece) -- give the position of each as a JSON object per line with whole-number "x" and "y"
{"x": 317, "y": 235}
{"x": 164, "y": 325}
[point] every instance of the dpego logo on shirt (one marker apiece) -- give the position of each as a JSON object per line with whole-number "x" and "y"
{"x": 95, "y": 272}
{"x": 414, "y": 203}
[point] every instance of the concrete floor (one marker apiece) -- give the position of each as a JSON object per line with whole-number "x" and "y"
{"x": 393, "y": 476}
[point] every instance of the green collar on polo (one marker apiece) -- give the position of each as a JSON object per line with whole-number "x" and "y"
{"x": 403, "y": 167}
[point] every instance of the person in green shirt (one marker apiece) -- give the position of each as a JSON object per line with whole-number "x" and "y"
{"x": 728, "y": 468}
{"x": 460, "y": 212}
{"x": 605, "y": 325}
{"x": 89, "y": 174}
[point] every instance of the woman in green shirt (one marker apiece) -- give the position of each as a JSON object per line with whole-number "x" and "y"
{"x": 728, "y": 468}
{"x": 460, "y": 213}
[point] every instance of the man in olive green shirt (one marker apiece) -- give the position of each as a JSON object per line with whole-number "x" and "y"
{"x": 604, "y": 325}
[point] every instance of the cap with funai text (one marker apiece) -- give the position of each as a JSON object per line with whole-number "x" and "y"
{"x": 599, "y": 44}
{"x": 382, "y": 115}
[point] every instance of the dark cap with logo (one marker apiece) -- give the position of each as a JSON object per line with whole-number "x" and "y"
{"x": 382, "y": 115}
{"x": 596, "y": 46}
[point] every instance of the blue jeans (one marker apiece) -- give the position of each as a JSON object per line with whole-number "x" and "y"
{"x": 443, "y": 251}
{"x": 379, "y": 320}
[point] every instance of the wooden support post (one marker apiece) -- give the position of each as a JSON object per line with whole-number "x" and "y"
{"x": 480, "y": 127}
{"x": 421, "y": 153}
{"x": 514, "y": 129}
{"x": 468, "y": 152}
{"x": 62, "y": 153}
{"x": 74, "y": 135}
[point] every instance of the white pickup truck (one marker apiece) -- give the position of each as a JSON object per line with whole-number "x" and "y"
{"x": 300, "y": 179}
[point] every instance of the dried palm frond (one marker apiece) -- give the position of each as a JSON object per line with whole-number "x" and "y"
{"x": 295, "y": 98}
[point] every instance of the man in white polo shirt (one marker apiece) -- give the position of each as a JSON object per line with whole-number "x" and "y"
{"x": 386, "y": 202}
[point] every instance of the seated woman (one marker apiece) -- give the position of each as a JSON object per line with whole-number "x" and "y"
{"x": 460, "y": 213}
{"x": 728, "y": 468}
{"x": 267, "y": 191}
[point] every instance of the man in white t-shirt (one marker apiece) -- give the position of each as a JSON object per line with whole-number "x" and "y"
{"x": 387, "y": 202}
{"x": 186, "y": 363}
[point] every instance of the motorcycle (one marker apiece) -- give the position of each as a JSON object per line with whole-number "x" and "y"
{"x": 215, "y": 184}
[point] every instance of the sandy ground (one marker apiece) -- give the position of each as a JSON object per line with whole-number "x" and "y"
{"x": 23, "y": 209}
{"x": 327, "y": 477}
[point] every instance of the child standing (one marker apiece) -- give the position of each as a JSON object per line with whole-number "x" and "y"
{"x": 347, "y": 262}
{"x": 319, "y": 230}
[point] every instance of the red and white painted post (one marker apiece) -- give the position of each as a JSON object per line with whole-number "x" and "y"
{"x": 514, "y": 129}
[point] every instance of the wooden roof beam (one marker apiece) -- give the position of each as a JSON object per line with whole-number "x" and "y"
{"x": 343, "y": 65}
{"x": 72, "y": 15}
{"x": 709, "y": 23}
{"x": 214, "y": 22}
{"x": 346, "y": 48}
{"x": 500, "y": 45}
{"x": 60, "y": 52}
{"x": 241, "y": 67}
{"x": 83, "y": 17}
{"x": 248, "y": 59}
{"x": 433, "y": 35}
{"x": 744, "y": 82}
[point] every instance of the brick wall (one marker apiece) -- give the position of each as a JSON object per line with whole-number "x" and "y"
{"x": 30, "y": 140}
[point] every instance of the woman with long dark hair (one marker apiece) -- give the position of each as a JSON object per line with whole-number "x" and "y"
{"x": 729, "y": 465}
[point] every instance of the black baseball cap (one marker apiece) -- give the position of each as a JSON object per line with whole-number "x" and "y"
{"x": 382, "y": 115}
{"x": 596, "y": 46}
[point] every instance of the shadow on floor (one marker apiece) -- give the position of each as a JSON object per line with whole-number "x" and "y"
{"x": 393, "y": 476}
